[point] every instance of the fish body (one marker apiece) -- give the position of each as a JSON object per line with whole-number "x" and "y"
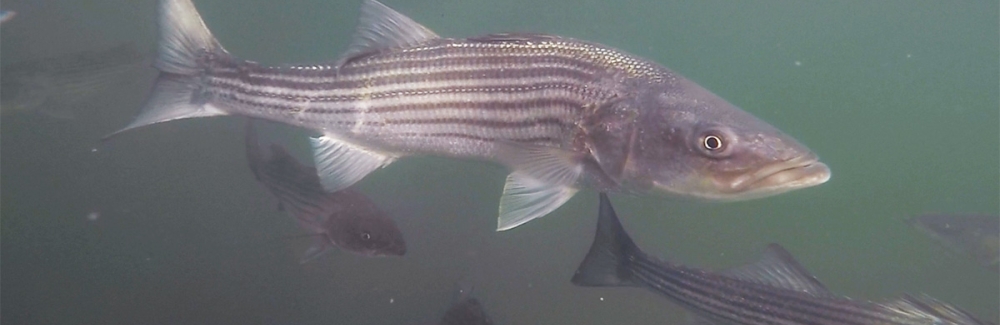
{"x": 774, "y": 290}
{"x": 56, "y": 85}
{"x": 346, "y": 219}
{"x": 561, "y": 113}
{"x": 975, "y": 235}
{"x": 466, "y": 310}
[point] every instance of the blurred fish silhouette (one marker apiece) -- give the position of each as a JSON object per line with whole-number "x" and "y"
{"x": 6, "y": 15}
{"x": 346, "y": 219}
{"x": 975, "y": 235}
{"x": 57, "y": 86}
{"x": 466, "y": 311}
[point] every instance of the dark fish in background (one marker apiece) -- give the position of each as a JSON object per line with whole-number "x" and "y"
{"x": 346, "y": 219}
{"x": 561, "y": 113}
{"x": 7, "y": 15}
{"x": 467, "y": 311}
{"x": 774, "y": 290}
{"x": 57, "y": 86}
{"x": 975, "y": 235}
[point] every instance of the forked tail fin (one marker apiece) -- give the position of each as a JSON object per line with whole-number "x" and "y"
{"x": 607, "y": 262}
{"x": 185, "y": 42}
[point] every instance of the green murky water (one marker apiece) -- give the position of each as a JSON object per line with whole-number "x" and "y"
{"x": 900, "y": 98}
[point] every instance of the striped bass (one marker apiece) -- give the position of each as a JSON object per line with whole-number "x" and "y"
{"x": 346, "y": 219}
{"x": 562, "y": 114}
{"x": 774, "y": 290}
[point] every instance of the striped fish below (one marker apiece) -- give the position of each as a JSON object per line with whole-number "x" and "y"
{"x": 773, "y": 290}
{"x": 346, "y": 219}
{"x": 562, "y": 114}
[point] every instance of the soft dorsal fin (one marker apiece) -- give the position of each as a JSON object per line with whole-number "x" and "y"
{"x": 778, "y": 268}
{"x": 926, "y": 306}
{"x": 380, "y": 27}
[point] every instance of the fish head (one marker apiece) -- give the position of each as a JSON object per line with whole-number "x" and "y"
{"x": 367, "y": 234}
{"x": 946, "y": 226}
{"x": 977, "y": 235}
{"x": 689, "y": 142}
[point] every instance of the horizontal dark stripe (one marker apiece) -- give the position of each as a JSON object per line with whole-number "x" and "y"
{"x": 558, "y": 105}
{"x": 413, "y": 82}
{"x": 752, "y": 300}
{"x": 485, "y": 123}
{"x": 416, "y": 90}
{"x": 529, "y": 140}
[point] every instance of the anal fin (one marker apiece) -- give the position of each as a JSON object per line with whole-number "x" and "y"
{"x": 341, "y": 164}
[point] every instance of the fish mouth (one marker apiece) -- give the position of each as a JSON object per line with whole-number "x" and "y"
{"x": 801, "y": 172}
{"x": 398, "y": 250}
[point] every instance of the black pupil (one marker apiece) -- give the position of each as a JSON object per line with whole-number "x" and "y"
{"x": 713, "y": 142}
{"x": 366, "y": 235}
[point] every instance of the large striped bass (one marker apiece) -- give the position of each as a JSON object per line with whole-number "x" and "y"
{"x": 562, "y": 114}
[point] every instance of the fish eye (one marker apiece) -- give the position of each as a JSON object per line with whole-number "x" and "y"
{"x": 712, "y": 142}
{"x": 715, "y": 142}
{"x": 366, "y": 235}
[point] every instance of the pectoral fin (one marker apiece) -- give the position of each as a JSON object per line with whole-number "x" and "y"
{"x": 526, "y": 198}
{"x": 543, "y": 179}
{"x": 341, "y": 164}
{"x": 318, "y": 248}
{"x": 546, "y": 164}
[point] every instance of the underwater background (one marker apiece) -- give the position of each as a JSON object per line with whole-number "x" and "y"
{"x": 166, "y": 224}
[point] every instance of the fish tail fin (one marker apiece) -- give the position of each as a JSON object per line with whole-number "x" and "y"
{"x": 184, "y": 44}
{"x": 607, "y": 262}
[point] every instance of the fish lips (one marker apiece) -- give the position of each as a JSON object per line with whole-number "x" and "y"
{"x": 391, "y": 250}
{"x": 773, "y": 179}
{"x": 777, "y": 178}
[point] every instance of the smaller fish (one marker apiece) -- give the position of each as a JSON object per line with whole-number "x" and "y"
{"x": 974, "y": 235}
{"x": 467, "y": 311}
{"x": 346, "y": 219}
{"x": 55, "y": 86}
{"x": 7, "y": 15}
{"x": 776, "y": 289}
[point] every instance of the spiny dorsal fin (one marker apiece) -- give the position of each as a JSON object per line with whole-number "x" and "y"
{"x": 778, "y": 268}
{"x": 380, "y": 27}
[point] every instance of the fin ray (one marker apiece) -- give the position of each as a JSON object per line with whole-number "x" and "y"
{"x": 526, "y": 198}
{"x": 173, "y": 97}
{"x": 777, "y": 267}
{"x": 184, "y": 37}
{"x": 184, "y": 40}
{"x": 341, "y": 164}
{"x": 380, "y": 27}
{"x": 547, "y": 164}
